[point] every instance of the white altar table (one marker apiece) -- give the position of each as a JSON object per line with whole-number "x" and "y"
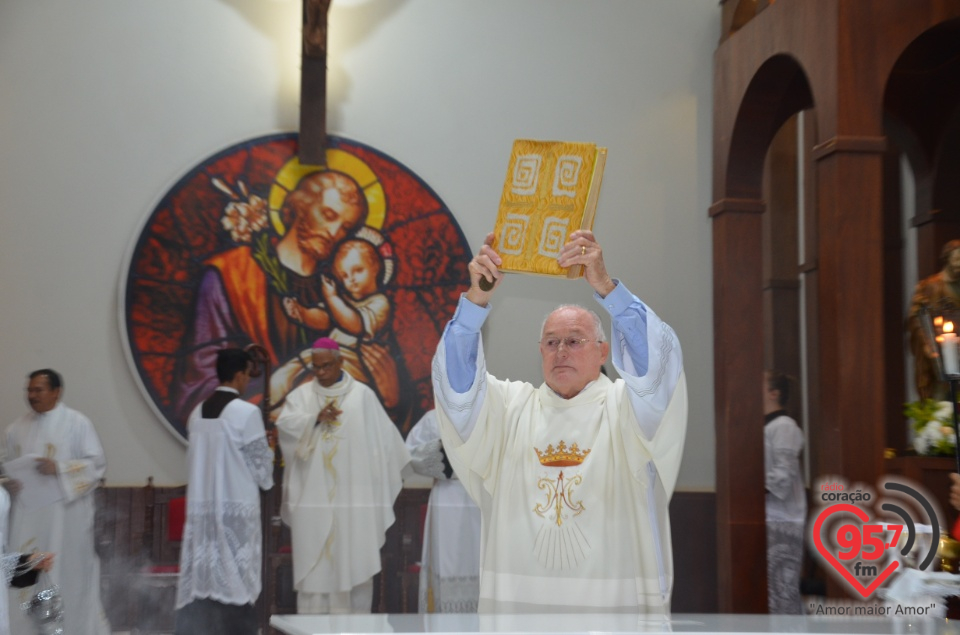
{"x": 452, "y": 624}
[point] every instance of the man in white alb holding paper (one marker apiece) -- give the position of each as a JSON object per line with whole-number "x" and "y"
{"x": 572, "y": 478}
{"x": 65, "y": 450}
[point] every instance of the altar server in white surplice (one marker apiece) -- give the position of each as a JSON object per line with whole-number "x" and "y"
{"x": 65, "y": 448}
{"x": 786, "y": 497}
{"x": 572, "y": 478}
{"x": 230, "y": 461}
{"x": 450, "y": 565}
{"x": 343, "y": 458}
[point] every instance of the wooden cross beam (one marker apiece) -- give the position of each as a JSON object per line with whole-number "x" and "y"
{"x": 313, "y": 83}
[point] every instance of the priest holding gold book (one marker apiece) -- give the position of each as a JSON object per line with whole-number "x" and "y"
{"x": 573, "y": 478}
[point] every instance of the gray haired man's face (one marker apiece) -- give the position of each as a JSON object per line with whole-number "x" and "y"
{"x": 567, "y": 369}
{"x": 326, "y": 366}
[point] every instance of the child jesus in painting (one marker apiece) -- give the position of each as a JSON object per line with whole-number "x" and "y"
{"x": 358, "y": 319}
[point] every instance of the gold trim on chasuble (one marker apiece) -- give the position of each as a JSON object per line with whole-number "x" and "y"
{"x": 328, "y": 451}
{"x": 558, "y": 545}
{"x": 328, "y": 430}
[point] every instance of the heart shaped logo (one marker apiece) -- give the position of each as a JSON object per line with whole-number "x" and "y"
{"x": 865, "y": 591}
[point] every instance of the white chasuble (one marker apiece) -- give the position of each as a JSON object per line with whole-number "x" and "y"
{"x": 66, "y": 526}
{"x": 339, "y": 485}
{"x": 573, "y": 497}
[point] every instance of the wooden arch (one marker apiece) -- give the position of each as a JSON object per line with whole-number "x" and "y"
{"x": 778, "y": 90}
{"x": 842, "y": 58}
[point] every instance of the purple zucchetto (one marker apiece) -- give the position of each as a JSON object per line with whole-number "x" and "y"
{"x": 325, "y": 343}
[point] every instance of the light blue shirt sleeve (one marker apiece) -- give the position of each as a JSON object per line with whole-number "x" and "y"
{"x": 647, "y": 355}
{"x": 461, "y": 340}
{"x": 629, "y": 316}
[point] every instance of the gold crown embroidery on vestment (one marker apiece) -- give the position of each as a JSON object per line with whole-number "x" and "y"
{"x": 562, "y": 456}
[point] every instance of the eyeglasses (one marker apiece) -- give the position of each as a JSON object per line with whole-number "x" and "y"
{"x": 319, "y": 368}
{"x": 573, "y": 344}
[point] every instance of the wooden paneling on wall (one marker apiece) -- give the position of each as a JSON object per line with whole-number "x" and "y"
{"x": 693, "y": 528}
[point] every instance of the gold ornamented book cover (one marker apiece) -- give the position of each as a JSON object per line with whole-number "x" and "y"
{"x": 551, "y": 190}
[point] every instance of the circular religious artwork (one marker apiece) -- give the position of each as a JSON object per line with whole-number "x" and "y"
{"x": 251, "y": 247}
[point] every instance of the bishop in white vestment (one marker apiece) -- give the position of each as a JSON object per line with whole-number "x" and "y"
{"x": 65, "y": 447}
{"x": 573, "y": 478}
{"x": 343, "y": 458}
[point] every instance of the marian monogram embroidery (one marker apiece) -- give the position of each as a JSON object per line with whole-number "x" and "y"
{"x": 560, "y": 543}
{"x": 559, "y": 498}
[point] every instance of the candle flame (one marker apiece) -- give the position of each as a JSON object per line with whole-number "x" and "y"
{"x": 937, "y": 321}
{"x": 948, "y": 327}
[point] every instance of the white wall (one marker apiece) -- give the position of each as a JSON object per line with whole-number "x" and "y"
{"x": 105, "y": 103}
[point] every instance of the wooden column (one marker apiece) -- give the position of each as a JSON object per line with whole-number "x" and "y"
{"x": 893, "y": 323}
{"x": 738, "y": 317}
{"x": 809, "y": 269}
{"x": 851, "y": 311}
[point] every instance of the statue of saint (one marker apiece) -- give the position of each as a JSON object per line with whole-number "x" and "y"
{"x": 941, "y": 291}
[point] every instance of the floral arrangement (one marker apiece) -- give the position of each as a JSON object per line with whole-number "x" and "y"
{"x": 932, "y": 423}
